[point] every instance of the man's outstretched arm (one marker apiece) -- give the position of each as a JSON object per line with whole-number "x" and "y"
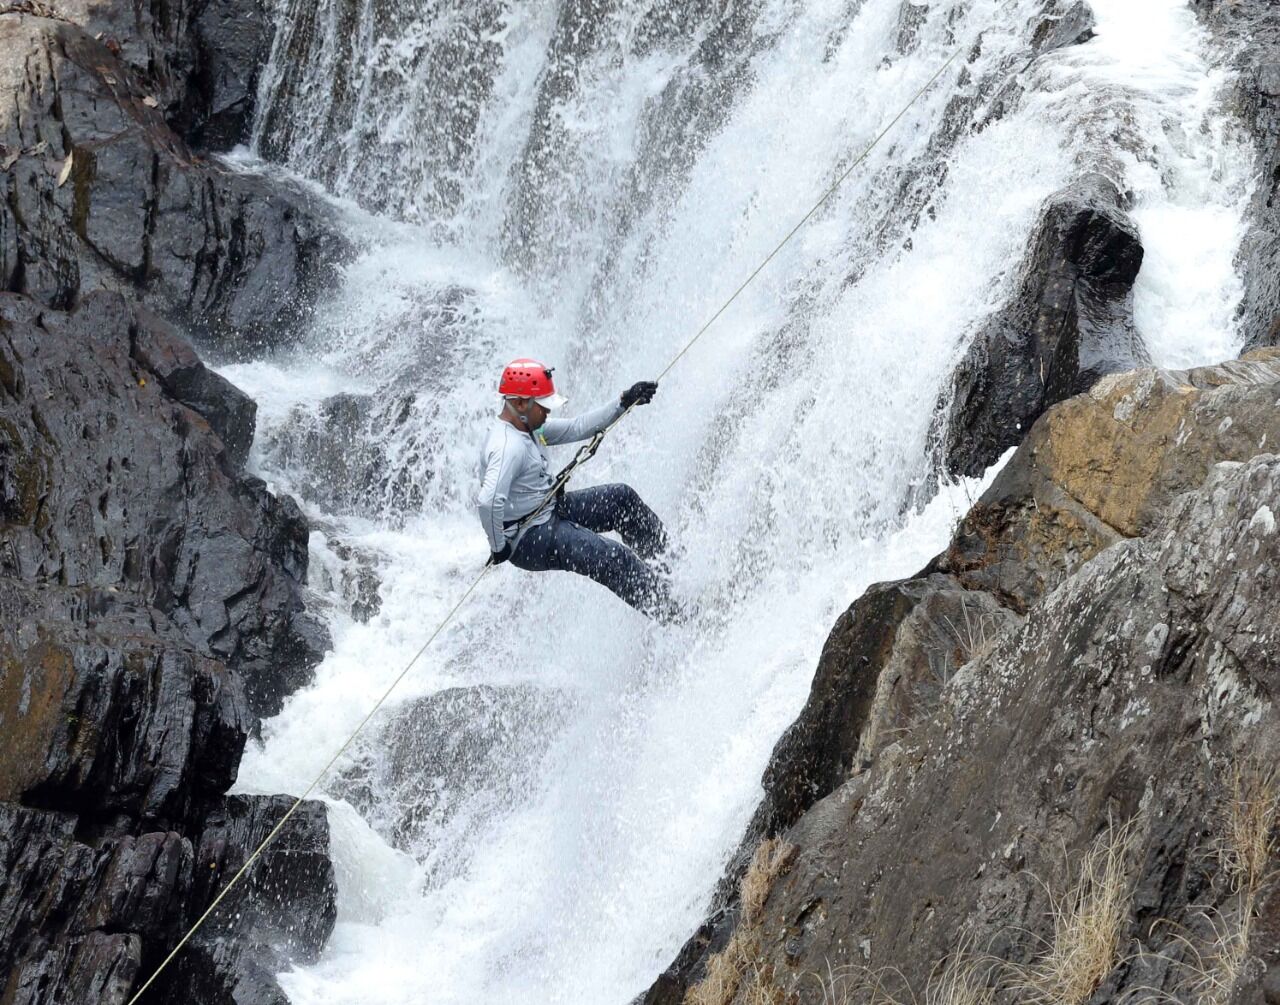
{"x": 589, "y": 423}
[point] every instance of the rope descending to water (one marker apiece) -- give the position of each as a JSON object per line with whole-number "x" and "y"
{"x": 584, "y": 454}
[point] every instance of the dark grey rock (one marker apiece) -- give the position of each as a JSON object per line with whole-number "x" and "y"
{"x": 81, "y": 923}
{"x": 1248, "y": 34}
{"x": 237, "y": 258}
{"x": 145, "y": 886}
{"x": 232, "y": 40}
{"x": 282, "y": 911}
{"x": 98, "y": 967}
{"x": 150, "y": 602}
{"x": 45, "y": 872}
{"x": 1069, "y": 322}
{"x": 291, "y": 889}
{"x": 232, "y": 414}
{"x": 200, "y": 58}
{"x": 889, "y": 656}
{"x": 1073, "y": 23}
{"x": 104, "y": 725}
{"x": 154, "y": 508}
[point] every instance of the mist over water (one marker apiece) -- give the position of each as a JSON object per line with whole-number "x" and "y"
{"x": 586, "y": 184}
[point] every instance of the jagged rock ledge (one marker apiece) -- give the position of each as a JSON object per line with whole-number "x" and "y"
{"x": 150, "y": 609}
{"x": 100, "y": 192}
{"x": 1095, "y": 646}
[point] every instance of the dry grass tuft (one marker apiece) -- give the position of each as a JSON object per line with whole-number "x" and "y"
{"x": 725, "y": 972}
{"x": 962, "y": 979}
{"x": 735, "y": 967}
{"x": 762, "y": 990}
{"x": 1246, "y": 847}
{"x": 1087, "y": 926}
{"x": 771, "y": 857}
{"x": 976, "y": 634}
{"x": 1214, "y": 974}
{"x": 1248, "y": 826}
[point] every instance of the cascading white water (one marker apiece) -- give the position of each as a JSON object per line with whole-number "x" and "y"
{"x": 586, "y": 183}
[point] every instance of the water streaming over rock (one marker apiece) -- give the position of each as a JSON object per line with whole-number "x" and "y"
{"x": 542, "y": 813}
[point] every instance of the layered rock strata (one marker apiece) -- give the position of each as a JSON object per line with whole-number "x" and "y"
{"x": 1091, "y": 656}
{"x": 150, "y": 608}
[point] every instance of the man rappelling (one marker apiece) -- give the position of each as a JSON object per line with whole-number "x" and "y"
{"x": 516, "y": 482}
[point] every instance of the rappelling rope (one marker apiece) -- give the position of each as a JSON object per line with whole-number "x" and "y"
{"x": 584, "y": 453}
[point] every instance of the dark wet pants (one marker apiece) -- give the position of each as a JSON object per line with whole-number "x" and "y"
{"x": 571, "y": 541}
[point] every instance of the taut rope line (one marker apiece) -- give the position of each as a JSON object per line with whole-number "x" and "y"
{"x": 584, "y": 453}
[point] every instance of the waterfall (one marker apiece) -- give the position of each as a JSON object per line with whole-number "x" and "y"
{"x": 543, "y": 810}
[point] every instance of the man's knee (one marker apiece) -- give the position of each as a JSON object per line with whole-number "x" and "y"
{"x": 626, "y": 500}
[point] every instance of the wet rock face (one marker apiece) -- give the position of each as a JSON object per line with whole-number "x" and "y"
{"x": 464, "y": 751}
{"x": 232, "y": 40}
{"x": 1250, "y": 31}
{"x": 104, "y": 721}
{"x": 88, "y": 922}
{"x": 1069, "y": 322}
{"x": 203, "y": 57}
{"x": 1137, "y": 686}
{"x": 157, "y": 509}
{"x": 1090, "y": 645}
{"x": 283, "y": 911}
{"x": 99, "y": 192}
{"x": 1070, "y": 23}
{"x": 150, "y": 594}
{"x": 150, "y": 608}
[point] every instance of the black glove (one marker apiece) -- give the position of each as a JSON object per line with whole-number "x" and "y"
{"x": 639, "y": 394}
{"x": 498, "y": 557}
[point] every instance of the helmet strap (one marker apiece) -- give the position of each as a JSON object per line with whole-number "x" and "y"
{"x": 509, "y": 403}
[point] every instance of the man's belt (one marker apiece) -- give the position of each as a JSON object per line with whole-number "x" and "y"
{"x": 550, "y": 511}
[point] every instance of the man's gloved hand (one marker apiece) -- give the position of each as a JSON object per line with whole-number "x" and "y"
{"x": 639, "y": 394}
{"x": 498, "y": 557}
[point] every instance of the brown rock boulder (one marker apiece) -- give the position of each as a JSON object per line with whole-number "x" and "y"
{"x": 1104, "y": 466}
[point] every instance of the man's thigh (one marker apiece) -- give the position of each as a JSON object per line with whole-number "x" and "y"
{"x": 597, "y": 508}
{"x": 581, "y": 550}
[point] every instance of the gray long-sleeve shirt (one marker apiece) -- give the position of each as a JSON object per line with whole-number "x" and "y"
{"x": 515, "y": 468}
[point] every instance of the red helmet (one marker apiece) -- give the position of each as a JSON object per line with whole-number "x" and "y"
{"x": 527, "y": 378}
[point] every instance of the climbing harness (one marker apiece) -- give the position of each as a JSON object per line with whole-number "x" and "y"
{"x": 584, "y": 454}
